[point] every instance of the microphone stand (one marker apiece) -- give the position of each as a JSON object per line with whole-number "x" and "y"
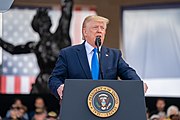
{"x": 98, "y": 43}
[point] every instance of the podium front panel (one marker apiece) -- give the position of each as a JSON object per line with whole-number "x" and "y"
{"x": 131, "y": 99}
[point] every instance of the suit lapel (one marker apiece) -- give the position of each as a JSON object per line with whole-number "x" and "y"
{"x": 81, "y": 52}
{"x": 104, "y": 60}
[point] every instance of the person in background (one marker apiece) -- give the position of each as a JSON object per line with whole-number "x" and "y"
{"x": 40, "y": 114}
{"x": 52, "y": 115}
{"x": 38, "y": 103}
{"x": 172, "y": 113}
{"x": 76, "y": 62}
{"x": 19, "y": 108}
{"x": 160, "y": 108}
{"x": 16, "y": 112}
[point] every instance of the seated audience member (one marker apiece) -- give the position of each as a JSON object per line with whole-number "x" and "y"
{"x": 17, "y": 112}
{"x": 38, "y": 103}
{"x": 52, "y": 115}
{"x": 17, "y": 104}
{"x": 155, "y": 117}
{"x": 172, "y": 112}
{"x": 160, "y": 108}
{"x": 40, "y": 114}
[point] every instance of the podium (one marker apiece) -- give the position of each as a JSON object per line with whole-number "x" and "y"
{"x": 103, "y": 100}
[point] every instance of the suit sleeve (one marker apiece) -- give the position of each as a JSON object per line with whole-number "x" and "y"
{"x": 59, "y": 74}
{"x": 125, "y": 72}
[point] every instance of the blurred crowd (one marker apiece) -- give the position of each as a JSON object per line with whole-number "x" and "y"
{"x": 172, "y": 112}
{"x": 18, "y": 111}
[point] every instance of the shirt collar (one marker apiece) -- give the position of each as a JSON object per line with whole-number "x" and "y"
{"x": 89, "y": 48}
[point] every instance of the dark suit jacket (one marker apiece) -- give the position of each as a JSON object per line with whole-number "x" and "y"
{"x": 73, "y": 64}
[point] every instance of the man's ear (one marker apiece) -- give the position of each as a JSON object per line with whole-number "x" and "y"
{"x": 84, "y": 31}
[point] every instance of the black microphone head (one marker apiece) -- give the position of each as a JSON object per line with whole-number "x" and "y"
{"x": 98, "y": 41}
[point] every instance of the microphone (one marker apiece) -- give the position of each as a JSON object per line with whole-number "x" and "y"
{"x": 98, "y": 43}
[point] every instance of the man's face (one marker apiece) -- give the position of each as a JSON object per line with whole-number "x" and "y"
{"x": 160, "y": 105}
{"x": 93, "y": 29}
{"x": 39, "y": 103}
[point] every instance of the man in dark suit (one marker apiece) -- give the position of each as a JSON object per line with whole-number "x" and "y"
{"x": 75, "y": 62}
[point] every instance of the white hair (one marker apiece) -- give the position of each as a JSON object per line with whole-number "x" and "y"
{"x": 93, "y": 18}
{"x": 172, "y": 110}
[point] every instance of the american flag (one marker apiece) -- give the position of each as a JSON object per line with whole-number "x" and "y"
{"x": 18, "y": 72}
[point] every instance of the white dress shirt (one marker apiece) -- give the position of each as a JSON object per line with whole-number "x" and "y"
{"x": 89, "y": 52}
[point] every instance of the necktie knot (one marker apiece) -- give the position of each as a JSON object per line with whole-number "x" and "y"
{"x": 95, "y": 50}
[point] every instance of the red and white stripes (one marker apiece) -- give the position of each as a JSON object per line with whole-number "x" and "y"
{"x": 16, "y": 84}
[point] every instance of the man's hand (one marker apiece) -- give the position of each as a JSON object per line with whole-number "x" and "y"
{"x": 60, "y": 90}
{"x": 145, "y": 87}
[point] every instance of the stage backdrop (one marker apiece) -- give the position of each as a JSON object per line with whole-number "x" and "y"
{"x": 151, "y": 44}
{"x": 19, "y": 71}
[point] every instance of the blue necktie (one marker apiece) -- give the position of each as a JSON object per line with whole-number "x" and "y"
{"x": 95, "y": 65}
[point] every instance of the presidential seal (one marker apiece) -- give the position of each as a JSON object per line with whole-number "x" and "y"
{"x": 103, "y": 101}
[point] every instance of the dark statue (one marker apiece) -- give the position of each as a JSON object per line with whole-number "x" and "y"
{"x": 49, "y": 45}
